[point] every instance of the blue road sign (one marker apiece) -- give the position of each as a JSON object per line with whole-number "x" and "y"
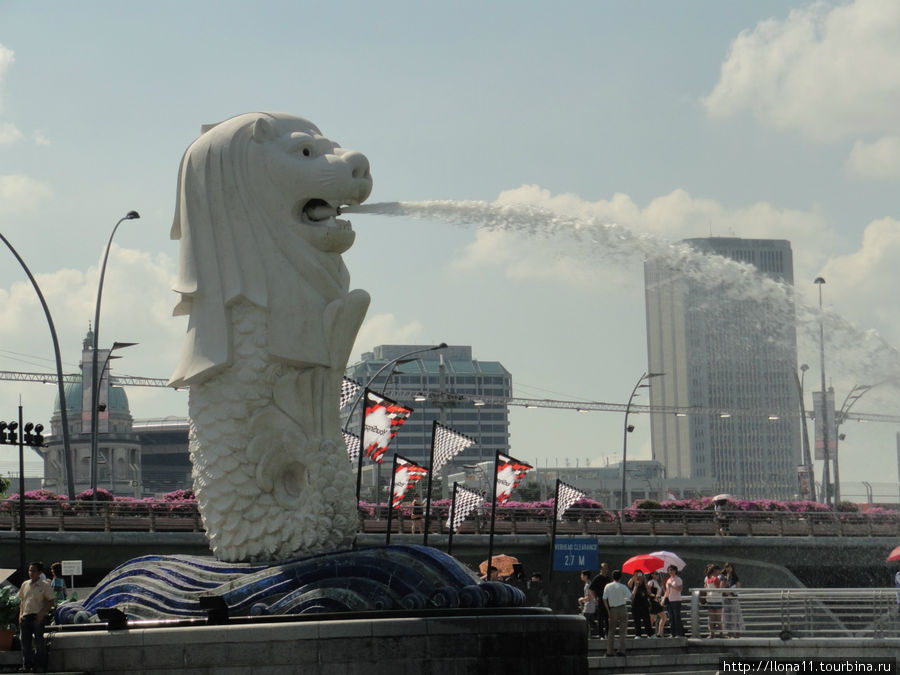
{"x": 575, "y": 553}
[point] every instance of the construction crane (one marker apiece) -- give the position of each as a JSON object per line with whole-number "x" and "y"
{"x": 446, "y": 398}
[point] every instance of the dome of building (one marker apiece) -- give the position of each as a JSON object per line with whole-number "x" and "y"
{"x": 118, "y": 401}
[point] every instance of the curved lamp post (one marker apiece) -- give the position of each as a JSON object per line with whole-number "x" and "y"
{"x": 389, "y": 364}
{"x": 63, "y": 412}
{"x": 629, "y": 428}
{"x": 362, "y": 392}
{"x": 858, "y": 391}
{"x": 95, "y": 394}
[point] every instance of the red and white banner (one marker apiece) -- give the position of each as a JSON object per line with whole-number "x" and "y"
{"x": 381, "y": 422}
{"x": 406, "y": 474}
{"x": 510, "y": 473}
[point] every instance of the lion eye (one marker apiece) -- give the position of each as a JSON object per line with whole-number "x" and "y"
{"x": 306, "y": 152}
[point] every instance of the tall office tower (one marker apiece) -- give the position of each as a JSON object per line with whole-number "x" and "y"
{"x": 725, "y": 345}
{"x": 440, "y": 375}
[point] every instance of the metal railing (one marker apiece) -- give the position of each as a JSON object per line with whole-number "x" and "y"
{"x": 150, "y": 516}
{"x": 102, "y": 516}
{"x": 800, "y": 612}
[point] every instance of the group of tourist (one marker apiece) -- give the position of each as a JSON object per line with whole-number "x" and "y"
{"x": 655, "y": 599}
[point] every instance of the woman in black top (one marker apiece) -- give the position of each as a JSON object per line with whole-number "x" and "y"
{"x": 640, "y": 604}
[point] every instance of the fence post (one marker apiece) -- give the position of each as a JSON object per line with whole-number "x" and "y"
{"x": 695, "y": 613}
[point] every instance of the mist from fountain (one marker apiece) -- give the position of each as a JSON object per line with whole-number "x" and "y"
{"x": 854, "y": 354}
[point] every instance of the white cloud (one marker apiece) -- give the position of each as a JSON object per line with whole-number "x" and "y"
{"x": 137, "y": 306}
{"x": 40, "y": 138}
{"x": 9, "y": 133}
{"x": 7, "y": 56}
{"x": 879, "y": 160}
{"x": 22, "y": 193}
{"x": 864, "y": 283}
{"x": 382, "y": 329}
{"x": 827, "y": 72}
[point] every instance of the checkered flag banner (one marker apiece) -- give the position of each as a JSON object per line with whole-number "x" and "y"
{"x": 446, "y": 444}
{"x": 464, "y": 502}
{"x": 349, "y": 390}
{"x": 406, "y": 474}
{"x": 352, "y": 443}
{"x": 567, "y": 496}
{"x": 510, "y": 472}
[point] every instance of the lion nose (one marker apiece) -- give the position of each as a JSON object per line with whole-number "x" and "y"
{"x": 359, "y": 172}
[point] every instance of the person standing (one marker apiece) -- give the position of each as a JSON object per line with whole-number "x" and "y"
{"x": 672, "y": 600}
{"x": 732, "y": 618}
{"x": 36, "y": 598}
{"x": 597, "y": 585}
{"x": 57, "y": 583}
{"x": 640, "y": 604}
{"x": 417, "y": 522}
{"x": 657, "y": 611}
{"x": 588, "y": 603}
{"x": 711, "y": 583}
{"x": 615, "y": 597}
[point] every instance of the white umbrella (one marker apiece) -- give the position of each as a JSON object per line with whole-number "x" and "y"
{"x": 670, "y": 559}
{"x": 722, "y": 497}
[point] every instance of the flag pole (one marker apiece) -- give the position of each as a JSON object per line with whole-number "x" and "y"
{"x": 490, "y": 559}
{"x": 428, "y": 493}
{"x": 387, "y": 538}
{"x": 553, "y": 535}
{"x": 362, "y": 440}
{"x": 452, "y": 516}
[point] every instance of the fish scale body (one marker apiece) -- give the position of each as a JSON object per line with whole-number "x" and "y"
{"x": 266, "y": 488}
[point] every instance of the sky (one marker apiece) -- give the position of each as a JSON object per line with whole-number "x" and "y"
{"x": 668, "y": 119}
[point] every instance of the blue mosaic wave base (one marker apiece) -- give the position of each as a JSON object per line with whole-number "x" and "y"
{"x": 378, "y": 578}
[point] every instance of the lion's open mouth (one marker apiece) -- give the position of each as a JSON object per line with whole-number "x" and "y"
{"x": 322, "y": 213}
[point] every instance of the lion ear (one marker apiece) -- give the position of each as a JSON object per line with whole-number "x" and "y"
{"x": 263, "y": 130}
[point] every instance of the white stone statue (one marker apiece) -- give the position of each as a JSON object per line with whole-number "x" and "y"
{"x": 271, "y": 325}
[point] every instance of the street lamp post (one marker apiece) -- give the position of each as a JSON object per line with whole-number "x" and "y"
{"x": 826, "y": 470}
{"x": 20, "y": 434}
{"x": 629, "y": 428}
{"x": 95, "y": 393}
{"x": 63, "y": 411}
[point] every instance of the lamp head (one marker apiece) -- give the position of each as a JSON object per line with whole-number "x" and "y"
{"x": 819, "y": 280}
{"x": 132, "y": 215}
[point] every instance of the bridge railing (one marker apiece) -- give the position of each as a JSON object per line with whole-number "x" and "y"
{"x": 103, "y": 516}
{"x": 519, "y": 520}
{"x": 163, "y": 516}
{"x": 798, "y": 612}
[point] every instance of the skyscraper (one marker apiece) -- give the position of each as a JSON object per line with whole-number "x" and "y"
{"x": 725, "y": 345}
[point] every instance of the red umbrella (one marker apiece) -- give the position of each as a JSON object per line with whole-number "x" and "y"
{"x": 895, "y": 555}
{"x": 644, "y": 563}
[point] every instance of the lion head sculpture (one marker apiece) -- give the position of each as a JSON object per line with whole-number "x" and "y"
{"x": 256, "y": 214}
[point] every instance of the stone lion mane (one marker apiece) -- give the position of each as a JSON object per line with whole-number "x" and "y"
{"x": 256, "y": 255}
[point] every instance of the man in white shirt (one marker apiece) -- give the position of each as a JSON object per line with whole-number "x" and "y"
{"x": 37, "y": 596}
{"x": 615, "y": 598}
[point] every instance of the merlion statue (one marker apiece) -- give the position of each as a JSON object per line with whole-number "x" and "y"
{"x": 271, "y": 325}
